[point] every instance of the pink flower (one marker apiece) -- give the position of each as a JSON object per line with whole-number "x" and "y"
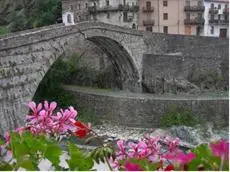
{"x": 7, "y": 138}
{"x": 32, "y": 118}
{"x": 20, "y": 130}
{"x": 172, "y": 144}
{"x": 137, "y": 150}
{"x": 181, "y": 157}
{"x": 50, "y": 108}
{"x": 220, "y": 149}
{"x": 132, "y": 167}
{"x": 65, "y": 120}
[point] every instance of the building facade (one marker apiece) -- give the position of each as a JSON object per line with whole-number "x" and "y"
{"x": 216, "y": 18}
{"x": 119, "y": 12}
{"x": 172, "y": 16}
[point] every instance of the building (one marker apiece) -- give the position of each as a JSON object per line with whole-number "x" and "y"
{"x": 172, "y": 16}
{"x": 74, "y": 11}
{"x": 118, "y": 12}
{"x": 216, "y": 18}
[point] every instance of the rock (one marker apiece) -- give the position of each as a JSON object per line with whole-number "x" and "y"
{"x": 189, "y": 136}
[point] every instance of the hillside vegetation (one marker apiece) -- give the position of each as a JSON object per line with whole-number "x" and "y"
{"x": 17, "y": 15}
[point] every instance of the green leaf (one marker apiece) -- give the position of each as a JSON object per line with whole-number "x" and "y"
{"x": 1, "y": 142}
{"x": 27, "y": 164}
{"x": 5, "y": 167}
{"x": 18, "y": 147}
{"x": 205, "y": 158}
{"x": 53, "y": 153}
{"x": 78, "y": 160}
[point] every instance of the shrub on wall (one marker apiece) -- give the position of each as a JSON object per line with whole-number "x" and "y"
{"x": 206, "y": 79}
{"x": 176, "y": 116}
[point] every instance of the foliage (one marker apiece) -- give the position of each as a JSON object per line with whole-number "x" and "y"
{"x": 206, "y": 79}
{"x": 3, "y": 30}
{"x": 28, "y": 150}
{"x": 27, "y": 14}
{"x": 178, "y": 116}
{"x": 51, "y": 86}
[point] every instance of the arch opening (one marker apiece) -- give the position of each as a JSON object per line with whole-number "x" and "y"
{"x": 122, "y": 62}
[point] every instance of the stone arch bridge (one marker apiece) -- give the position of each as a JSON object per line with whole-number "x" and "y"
{"x": 26, "y": 56}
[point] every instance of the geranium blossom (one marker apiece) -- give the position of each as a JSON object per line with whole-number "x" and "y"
{"x": 43, "y": 120}
{"x": 221, "y": 148}
{"x": 82, "y": 129}
{"x": 132, "y": 167}
{"x": 181, "y": 157}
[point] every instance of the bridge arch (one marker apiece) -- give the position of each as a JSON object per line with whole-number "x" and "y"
{"x": 27, "y": 56}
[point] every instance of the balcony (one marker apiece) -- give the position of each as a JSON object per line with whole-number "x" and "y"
{"x": 198, "y": 8}
{"x": 196, "y": 21}
{"x": 213, "y": 11}
{"x": 148, "y": 9}
{"x": 148, "y": 22}
{"x": 226, "y": 11}
{"x": 95, "y": 9}
{"x": 218, "y": 22}
{"x": 134, "y": 8}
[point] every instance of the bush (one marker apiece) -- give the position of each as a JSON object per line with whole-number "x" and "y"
{"x": 178, "y": 116}
{"x": 206, "y": 79}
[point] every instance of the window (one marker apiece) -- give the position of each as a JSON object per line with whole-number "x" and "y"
{"x": 86, "y": 5}
{"x": 187, "y": 3}
{"x": 212, "y": 16}
{"x": 71, "y": 7}
{"x": 199, "y": 3}
{"x": 219, "y": 6}
{"x": 212, "y": 30}
{"x": 198, "y": 30}
{"x": 125, "y": 16}
{"x": 149, "y": 28}
{"x": 165, "y": 3}
{"x": 226, "y": 17}
{"x": 108, "y": 15}
{"x": 69, "y": 18}
{"x": 107, "y": 2}
{"x": 187, "y": 15}
{"x": 124, "y": 2}
{"x": 219, "y": 16}
{"x": 165, "y": 29}
{"x": 134, "y": 26}
{"x": 212, "y": 5}
{"x": 148, "y": 4}
{"x": 226, "y": 5}
{"x": 79, "y": 6}
{"x": 223, "y": 33}
{"x": 165, "y": 16}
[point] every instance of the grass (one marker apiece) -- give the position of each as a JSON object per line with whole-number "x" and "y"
{"x": 3, "y": 30}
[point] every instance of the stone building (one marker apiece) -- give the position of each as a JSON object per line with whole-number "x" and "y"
{"x": 77, "y": 10}
{"x": 216, "y": 18}
{"x": 118, "y": 12}
{"x": 172, "y": 16}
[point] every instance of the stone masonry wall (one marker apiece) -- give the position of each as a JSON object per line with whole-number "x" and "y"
{"x": 147, "y": 111}
{"x": 178, "y": 67}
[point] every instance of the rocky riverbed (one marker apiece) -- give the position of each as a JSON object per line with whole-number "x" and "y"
{"x": 189, "y": 136}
